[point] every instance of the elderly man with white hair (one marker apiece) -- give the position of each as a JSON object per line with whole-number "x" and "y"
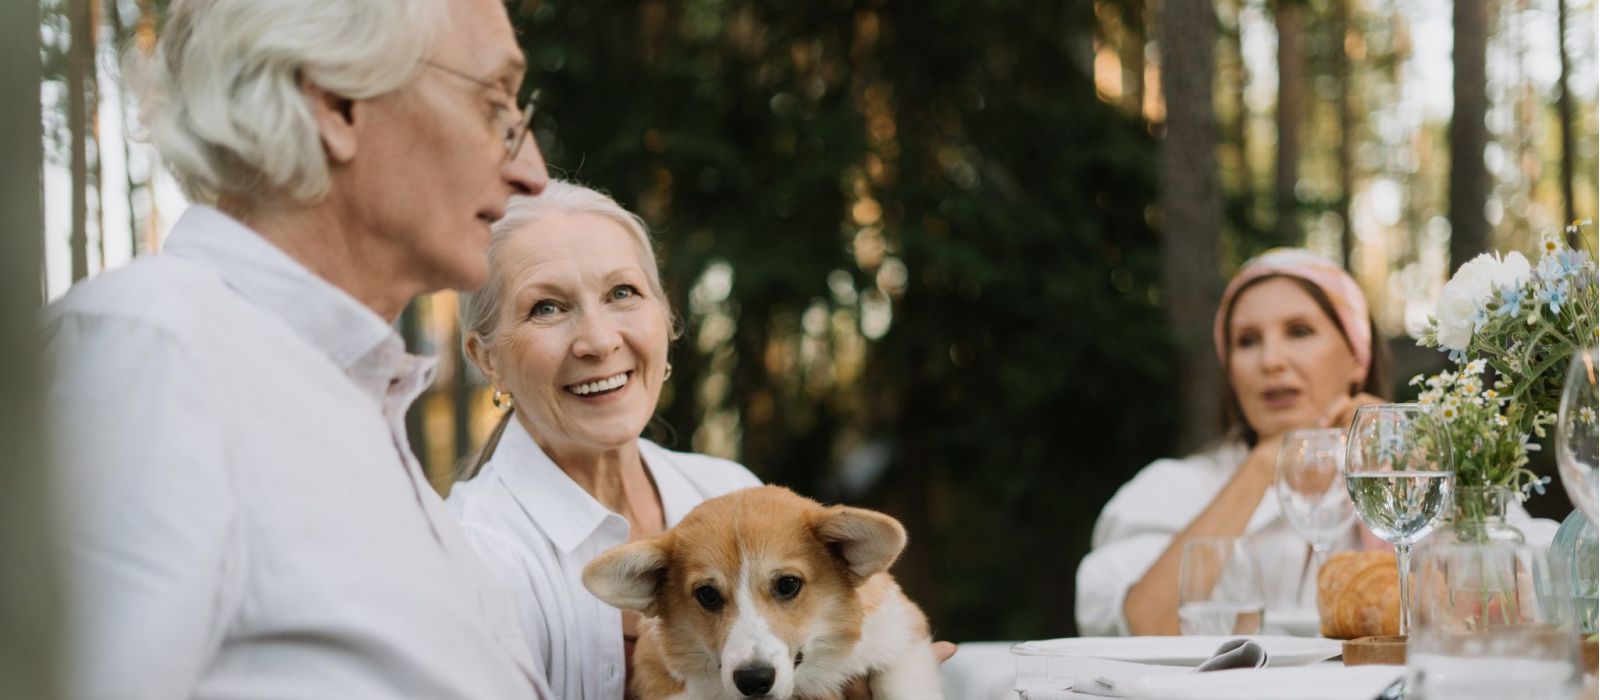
{"x": 242, "y": 517}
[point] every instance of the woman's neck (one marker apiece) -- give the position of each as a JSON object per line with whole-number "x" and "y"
{"x": 609, "y": 475}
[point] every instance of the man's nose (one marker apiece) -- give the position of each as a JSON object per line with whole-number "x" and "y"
{"x": 754, "y": 679}
{"x": 525, "y": 171}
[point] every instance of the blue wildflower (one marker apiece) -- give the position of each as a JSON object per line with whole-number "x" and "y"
{"x": 1537, "y": 485}
{"x": 1573, "y": 261}
{"x": 1510, "y": 299}
{"x": 1554, "y": 294}
{"x": 1550, "y": 267}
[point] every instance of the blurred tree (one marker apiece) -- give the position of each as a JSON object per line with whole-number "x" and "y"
{"x": 1191, "y": 211}
{"x": 912, "y": 253}
{"x": 1564, "y": 116}
{"x": 80, "y": 64}
{"x": 1469, "y": 176}
{"x": 1289, "y": 16}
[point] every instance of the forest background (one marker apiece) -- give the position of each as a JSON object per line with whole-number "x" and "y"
{"x": 953, "y": 259}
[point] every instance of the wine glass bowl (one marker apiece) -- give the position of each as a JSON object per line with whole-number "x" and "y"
{"x": 1310, "y": 487}
{"x": 1576, "y": 438}
{"x": 1400, "y": 475}
{"x": 1311, "y": 490}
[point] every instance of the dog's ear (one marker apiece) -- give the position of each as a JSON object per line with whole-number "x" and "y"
{"x": 627, "y": 576}
{"x": 868, "y": 541}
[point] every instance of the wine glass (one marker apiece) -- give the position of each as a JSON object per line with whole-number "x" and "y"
{"x": 1493, "y": 620}
{"x": 1311, "y": 489}
{"x": 1576, "y": 439}
{"x": 1219, "y": 589}
{"x": 1400, "y": 474}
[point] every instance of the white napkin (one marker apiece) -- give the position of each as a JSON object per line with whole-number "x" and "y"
{"x": 1069, "y": 677}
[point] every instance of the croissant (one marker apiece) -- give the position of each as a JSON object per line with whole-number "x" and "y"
{"x": 1358, "y": 595}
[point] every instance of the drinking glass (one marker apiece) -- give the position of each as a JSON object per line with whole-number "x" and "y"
{"x": 1576, "y": 439}
{"x": 1494, "y": 621}
{"x": 1311, "y": 490}
{"x": 1399, "y": 471}
{"x": 1219, "y": 590}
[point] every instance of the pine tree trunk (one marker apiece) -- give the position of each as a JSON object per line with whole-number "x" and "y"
{"x": 1191, "y": 209}
{"x": 1469, "y": 177}
{"x": 1291, "y": 103}
{"x": 79, "y": 55}
{"x": 1346, "y": 147}
{"x": 1133, "y": 23}
{"x": 1564, "y": 115}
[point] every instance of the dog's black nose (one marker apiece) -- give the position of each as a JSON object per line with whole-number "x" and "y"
{"x": 754, "y": 679}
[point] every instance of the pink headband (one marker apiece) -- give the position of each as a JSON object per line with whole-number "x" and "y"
{"x": 1349, "y": 304}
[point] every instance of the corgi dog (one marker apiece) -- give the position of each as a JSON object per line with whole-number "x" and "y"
{"x": 762, "y": 593}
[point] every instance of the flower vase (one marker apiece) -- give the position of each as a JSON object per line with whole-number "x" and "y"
{"x": 1483, "y": 594}
{"x": 1479, "y": 517}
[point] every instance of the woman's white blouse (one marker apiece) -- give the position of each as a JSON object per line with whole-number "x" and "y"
{"x": 536, "y": 529}
{"x": 1140, "y": 521}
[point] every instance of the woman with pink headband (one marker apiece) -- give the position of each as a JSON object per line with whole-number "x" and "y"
{"x": 1298, "y": 350}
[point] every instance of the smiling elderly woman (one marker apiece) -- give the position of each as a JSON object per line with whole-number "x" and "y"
{"x": 572, "y": 331}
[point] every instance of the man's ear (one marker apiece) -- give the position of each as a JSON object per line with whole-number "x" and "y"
{"x": 478, "y": 353}
{"x": 335, "y": 117}
{"x": 868, "y": 541}
{"x": 628, "y": 576}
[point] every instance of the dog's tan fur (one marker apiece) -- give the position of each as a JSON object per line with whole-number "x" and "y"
{"x": 848, "y": 620}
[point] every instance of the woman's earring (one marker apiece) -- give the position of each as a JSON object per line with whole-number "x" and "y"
{"x": 502, "y": 400}
{"x": 668, "y": 375}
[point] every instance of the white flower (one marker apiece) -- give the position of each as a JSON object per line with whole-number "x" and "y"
{"x": 1477, "y": 367}
{"x": 1462, "y": 300}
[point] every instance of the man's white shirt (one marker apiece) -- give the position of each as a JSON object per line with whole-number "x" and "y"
{"x": 240, "y": 512}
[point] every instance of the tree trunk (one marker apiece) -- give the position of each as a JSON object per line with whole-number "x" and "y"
{"x": 79, "y": 55}
{"x": 1134, "y": 27}
{"x": 1564, "y": 115}
{"x": 1291, "y": 103}
{"x": 1469, "y": 177}
{"x": 91, "y": 100}
{"x": 1346, "y": 161}
{"x": 30, "y": 649}
{"x": 1241, "y": 123}
{"x": 1191, "y": 209}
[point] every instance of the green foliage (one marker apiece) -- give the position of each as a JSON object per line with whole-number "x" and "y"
{"x": 1021, "y": 378}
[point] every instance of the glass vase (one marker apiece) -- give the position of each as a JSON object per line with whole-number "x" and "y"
{"x": 1479, "y": 517}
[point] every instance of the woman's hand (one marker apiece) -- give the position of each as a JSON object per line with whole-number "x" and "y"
{"x": 858, "y": 690}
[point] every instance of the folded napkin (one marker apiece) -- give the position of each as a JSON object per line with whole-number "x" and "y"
{"x": 1079, "y": 677}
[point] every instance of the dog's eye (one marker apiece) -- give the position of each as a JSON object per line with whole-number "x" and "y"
{"x": 708, "y": 598}
{"x": 786, "y": 587}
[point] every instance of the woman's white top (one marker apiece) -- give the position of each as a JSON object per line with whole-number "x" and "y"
{"x": 537, "y": 528}
{"x": 1139, "y": 522}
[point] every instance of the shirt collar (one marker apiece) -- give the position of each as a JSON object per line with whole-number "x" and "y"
{"x": 360, "y": 342}
{"x": 560, "y": 508}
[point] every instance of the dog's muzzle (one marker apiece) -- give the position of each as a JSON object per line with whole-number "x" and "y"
{"x": 754, "y": 680}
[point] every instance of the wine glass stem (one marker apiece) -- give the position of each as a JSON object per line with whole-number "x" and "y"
{"x": 1402, "y": 558}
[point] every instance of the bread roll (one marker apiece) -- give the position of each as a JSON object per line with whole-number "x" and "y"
{"x": 1358, "y": 595}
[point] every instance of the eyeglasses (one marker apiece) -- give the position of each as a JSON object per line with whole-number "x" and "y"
{"x": 511, "y": 121}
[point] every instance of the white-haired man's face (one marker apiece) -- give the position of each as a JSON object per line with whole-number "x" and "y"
{"x": 429, "y": 169}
